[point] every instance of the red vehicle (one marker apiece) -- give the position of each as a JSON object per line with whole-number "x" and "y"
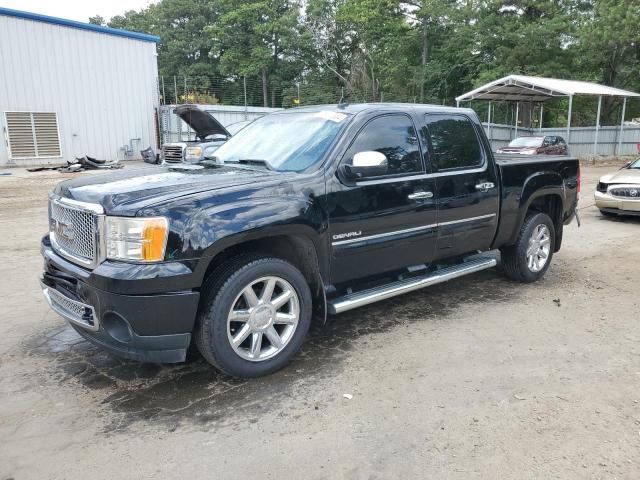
{"x": 548, "y": 145}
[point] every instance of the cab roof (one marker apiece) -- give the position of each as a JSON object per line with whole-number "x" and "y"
{"x": 355, "y": 108}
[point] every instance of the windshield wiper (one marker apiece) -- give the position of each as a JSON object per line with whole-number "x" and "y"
{"x": 255, "y": 161}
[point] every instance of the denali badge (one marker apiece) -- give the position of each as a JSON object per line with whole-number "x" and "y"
{"x": 340, "y": 236}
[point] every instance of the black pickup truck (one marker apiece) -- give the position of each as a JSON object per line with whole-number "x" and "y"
{"x": 305, "y": 212}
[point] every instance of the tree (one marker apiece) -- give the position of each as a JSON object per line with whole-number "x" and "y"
{"x": 97, "y": 20}
{"x": 259, "y": 37}
{"x": 609, "y": 49}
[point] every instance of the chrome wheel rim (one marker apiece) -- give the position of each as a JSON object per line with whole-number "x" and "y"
{"x": 539, "y": 248}
{"x": 263, "y": 318}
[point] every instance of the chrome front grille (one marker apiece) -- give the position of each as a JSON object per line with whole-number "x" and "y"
{"x": 74, "y": 230}
{"x": 172, "y": 153}
{"x": 631, "y": 191}
{"x": 74, "y": 311}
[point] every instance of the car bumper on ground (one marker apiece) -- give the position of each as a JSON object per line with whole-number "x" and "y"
{"x": 622, "y": 206}
{"x": 146, "y": 327}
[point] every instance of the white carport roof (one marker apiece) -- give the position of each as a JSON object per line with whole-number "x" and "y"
{"x": 521, "y": 88}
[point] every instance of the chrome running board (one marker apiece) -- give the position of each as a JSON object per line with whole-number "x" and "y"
{"x": 375, "y": 294}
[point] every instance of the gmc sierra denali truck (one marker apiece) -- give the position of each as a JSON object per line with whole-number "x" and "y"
{"x": 305, "y": 212}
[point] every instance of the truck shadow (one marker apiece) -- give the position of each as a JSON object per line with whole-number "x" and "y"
{"x": 194, "y": 393}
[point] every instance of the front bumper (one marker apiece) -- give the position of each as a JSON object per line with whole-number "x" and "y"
{"x": 150, "y": 327}
{"x": 623, "y": 206}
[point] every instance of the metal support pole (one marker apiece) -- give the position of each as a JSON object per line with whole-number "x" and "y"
{"x": 531, "y": 117}
{"x": 517, "y": 115}
{"x": 457, "y": 103}
{"x": 175, "y": 90}
{"x": 624, "y": 111}
{"x": 244, "y": 83}
{"x": 595, "y": 140}
{"x": 489, "y": 123}
{"x": 569, "y": 120}
{"x": 541, "y": 115}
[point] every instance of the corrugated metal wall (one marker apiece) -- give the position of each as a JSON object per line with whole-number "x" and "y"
{"x": 102, "y": 87}
{"x": 581, "y": 141}
{"x": 175, "y": 130}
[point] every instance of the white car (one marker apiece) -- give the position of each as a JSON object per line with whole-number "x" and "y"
{"x": 618, "y": 193}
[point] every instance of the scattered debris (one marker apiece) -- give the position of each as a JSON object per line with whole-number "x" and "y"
{"x": 82, "y": 164}
{"x": 556, "y": 301}
{"x": 518, "y": 397}
{"x": 348, "y": 396}
{"x": 149, "y": 156}
{"x": 5, "y": 174}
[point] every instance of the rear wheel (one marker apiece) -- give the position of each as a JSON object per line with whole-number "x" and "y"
{"x": 530, "y": 257}
{"x": 255, "y": 315}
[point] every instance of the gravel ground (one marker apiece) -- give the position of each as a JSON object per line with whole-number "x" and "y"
{"x": 478, "y": 378}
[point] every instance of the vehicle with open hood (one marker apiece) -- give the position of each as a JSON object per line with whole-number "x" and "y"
{"x": 209, "y": 135}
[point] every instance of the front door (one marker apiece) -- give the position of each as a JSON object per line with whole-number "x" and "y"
{"x": 466, "y": 184}
{"x": 386, "y": 222}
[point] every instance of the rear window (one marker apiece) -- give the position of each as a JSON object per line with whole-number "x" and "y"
{"x": 454, "y": 142}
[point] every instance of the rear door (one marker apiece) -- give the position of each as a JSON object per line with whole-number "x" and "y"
{"x": 386, "y": 222}
{"x": 467, "y": 189}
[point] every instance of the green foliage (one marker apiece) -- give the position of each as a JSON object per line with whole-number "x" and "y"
{"x": 391, "y": 50}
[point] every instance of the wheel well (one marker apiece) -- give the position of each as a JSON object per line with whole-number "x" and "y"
{"x": 296, "y": 249}
{"x": 552, "y": 206}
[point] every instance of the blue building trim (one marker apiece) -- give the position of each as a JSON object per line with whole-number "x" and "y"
{"x": 79, "y": 25}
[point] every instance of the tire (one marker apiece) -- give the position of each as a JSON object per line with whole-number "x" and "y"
{"x": 608, "y": 214}
{"x": 516, "y": 259}
{"x": 226, "y": 313}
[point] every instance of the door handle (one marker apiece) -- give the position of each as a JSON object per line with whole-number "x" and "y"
{"x": 420, "y": 195}
{"x": 483, "y": 187}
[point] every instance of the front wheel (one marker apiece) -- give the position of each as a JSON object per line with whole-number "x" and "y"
{"x": 255, "y": 316}
{"x": 529, "y": 258}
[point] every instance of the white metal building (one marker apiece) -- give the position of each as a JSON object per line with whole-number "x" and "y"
{"x": 69, "y": 89}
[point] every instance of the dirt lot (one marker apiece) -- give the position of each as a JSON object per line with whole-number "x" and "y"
{"x": 481, "y": 378}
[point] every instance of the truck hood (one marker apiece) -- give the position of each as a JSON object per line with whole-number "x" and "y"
{"x": 200, "y": 121}
{"x": 127, "y": 191}
{"x": 626, "y": 175}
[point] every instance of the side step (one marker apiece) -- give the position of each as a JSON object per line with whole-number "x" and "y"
{"x": 372, "y": 295}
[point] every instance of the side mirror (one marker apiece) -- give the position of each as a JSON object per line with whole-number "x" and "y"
{"x": 367, "y": 164}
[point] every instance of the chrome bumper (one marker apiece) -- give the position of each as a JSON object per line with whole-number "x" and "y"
{"x": 76, "y": 312}
{"x": 605, "y": 200}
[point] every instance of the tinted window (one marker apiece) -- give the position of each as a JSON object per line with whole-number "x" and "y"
{"x": 393, "y": 135}
{"x": 454, "y": 143}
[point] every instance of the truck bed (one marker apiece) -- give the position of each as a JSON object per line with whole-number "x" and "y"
{"x": 522, "y": 176}
{"x": 512, "y": 158}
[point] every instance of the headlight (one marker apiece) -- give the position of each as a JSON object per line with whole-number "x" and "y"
{"x": 193, "y": 153}
{"x": 136, "y": 239}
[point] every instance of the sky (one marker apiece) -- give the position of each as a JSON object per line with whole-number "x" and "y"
{"x": 79, "y": 10}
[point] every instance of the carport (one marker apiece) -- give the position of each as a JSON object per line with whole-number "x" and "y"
{"x": 538, "y": 90}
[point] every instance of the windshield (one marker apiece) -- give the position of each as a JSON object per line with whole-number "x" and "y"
{"x": 284, "y": 141}
{"x": 635, "y": 164}
{"x": 527, "y": 142}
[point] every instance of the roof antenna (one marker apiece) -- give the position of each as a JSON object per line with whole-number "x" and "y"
{"x": 342, "y": 103}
